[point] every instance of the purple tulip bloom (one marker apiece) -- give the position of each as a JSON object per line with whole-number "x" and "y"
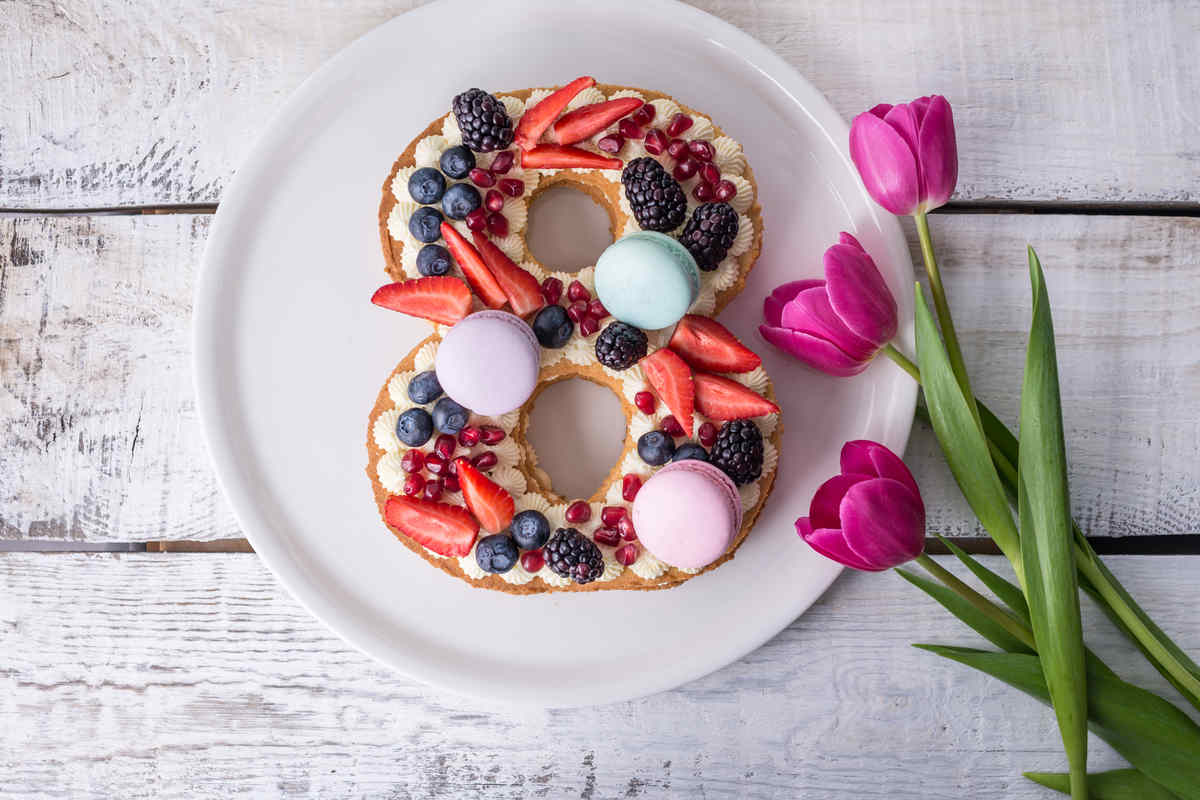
{"x": 838, "y": 324}
{"x": 871, "y": 516}
{"x": 906, "y": 154}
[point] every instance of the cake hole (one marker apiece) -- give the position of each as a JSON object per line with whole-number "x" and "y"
{"x": 568, "y": 229}
{"x": 578, "y": 430}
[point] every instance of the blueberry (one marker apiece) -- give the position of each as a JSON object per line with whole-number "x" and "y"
{"x": 424, "y": 388}
{"x": 449, "y": 416}
{"x": 656, "y": 448}
{"x": 460, "y": 199}
{"x": 457, "y": 161}
{"x": 690, "y": 450}
{"x": 530, "y": 529}
{"x": 496, "y": 553}
{"x": 552, "y": 327}
{"x": 414, "y": 427}
{"x": 433, "y": 260}
{"x": 426, "y": 185}
{"x": 425, "y": 224}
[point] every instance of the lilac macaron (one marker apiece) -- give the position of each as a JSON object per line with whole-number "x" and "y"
{"x": 489, "y": 362}
{"x": 688, "y": 514}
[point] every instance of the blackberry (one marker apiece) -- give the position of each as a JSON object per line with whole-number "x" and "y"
{"x": 620, "y": 346}
{"x": 710, "y": 233}
{"x": 656, "y": 198}
{"x": 572, "y": 555}
{"x": 738, "y": 451}
{"x": 483, "y": 121}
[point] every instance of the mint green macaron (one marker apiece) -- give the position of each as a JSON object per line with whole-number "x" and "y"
{"x": 647, "y": 279}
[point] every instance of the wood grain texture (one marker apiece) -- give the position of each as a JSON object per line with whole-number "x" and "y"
{"x": 1072, "y": 100}
{"x": 99, "y": 437}
{"x": 198, "y": 676}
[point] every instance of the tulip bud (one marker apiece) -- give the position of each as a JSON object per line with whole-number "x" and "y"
{"x": 906, "y": 154}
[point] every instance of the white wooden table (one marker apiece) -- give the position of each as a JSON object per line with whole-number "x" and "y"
{"x": 145, "y": 652}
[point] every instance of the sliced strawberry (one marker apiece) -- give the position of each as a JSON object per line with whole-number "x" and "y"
{"x": 473, "y": 266}
{"x": 491, "y": 504}
{"x": 443, "y": 528}
{"x": 559, "y": 156}
{"x": 535, "y": 121}
{"x": 671, "y": 378}
{"x": 707, "y": 344}
{"x": 577, "y": 125}
{"x": 724, "y": 399}
{"x": 523, "y": 291}
{"x": 441, "y": 299}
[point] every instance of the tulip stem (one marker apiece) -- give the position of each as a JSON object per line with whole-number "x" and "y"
{"x": 904, "y": 362}
{"x": 989, "y": 609}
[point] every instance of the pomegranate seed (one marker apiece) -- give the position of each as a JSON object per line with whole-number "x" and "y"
{"x": 533, "y": 560}
{"x": 703, "y": 192}
{"x": 490, "y": 434}
{"x": 644, "y": 115}
{"x": 656, "y": 141}
{"x": 450, "y": 482}
{"x": 512, "y": 187}
{"x": 597, "y": 309}
{"x": 670, "y": 425}
{"x": 710, "y": 173}
{"x": 468, "y": 436}
{"x": 576, "y": 311}
{"x": 612, "y": 143}
{"x": 493, "y": 200}
{"x": 485, "y": 460}
{"x": 678, "y": 124}
{"x": 707, "y": 434}
{"x": 433, "y": 489}
{"x": 444, "y": 446}
{"x": 452, "y": 467}
{"x": 502, "y": 163}
{"x": 726, "y": 191}
{"x": 607, "y": 536}
{"x": 627, "y": 554}
{"x": 701, "y": 150}
{"x": 579, "y": 511}
{"x": 497, "y": 225}
{"x": 677, "y": 148}
{"x": 552, "y": 290}
{"x": 629, "y": 487}
{"x": 625, "y": 528}
{"x": 588, "y": 325}
{"x": 477, "y": 220}
{"x": 577, "y": 291}
{"x": 610, "y": 515}
{"x": 413, "y": 485}
{"x": 629, "y": 129}
{"x": 645, "y": 402}
{"x": 482, "y": 178}
{"x": 413, "y": 461}
{"x": 684, "y": 169}
{"x": 435, "y": 464}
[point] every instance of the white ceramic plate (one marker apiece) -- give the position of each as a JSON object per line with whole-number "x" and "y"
{"x": 289, "y": 353}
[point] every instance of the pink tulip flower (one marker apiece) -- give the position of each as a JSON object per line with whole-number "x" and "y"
{"x": 838, "y": 324}
{"x": 871, "y": 516}
{"x": 906, "y": 154}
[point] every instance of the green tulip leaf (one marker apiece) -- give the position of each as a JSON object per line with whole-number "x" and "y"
{"x": 1008, "y": 592}
{"x": 973, "y": 617}
{"x": 1119, "y": 784}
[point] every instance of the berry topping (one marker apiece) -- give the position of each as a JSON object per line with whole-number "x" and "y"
{"x": 474, "y": 268}
{"x": 707, "y": 434}
{"x": 440, "y": 299}
{"x": 625, "y": 528}
{"x": 459, "y": 200}
{"x": 644, "y": 115}
{"x": 657, "y": 200}
{"x": 585, "y": 121}
{"x": 482, "y": 178}
{"x": 412, "y": 461}
{"x": 435, "y": 464}
{"x": 521, "y": 288}
{"x": 445, "y": 529}
{"x": 629, "y": 487}
{"x": 685, "y": 169}
{"x": 706, "y": 344}
{"x": 596, "y": 309}
{"x": 725, "y": 191}
{"x": 423, "y": 224}
{"x": 710, "y": 233}
{"x": 414, "y": 484}
{"x": 424, "y": 388}
{"x": 502, "y": 163}
{"x": 606, "y": 536}
{"x": 450, "y": 482}
{"x": 445, "y": 445}
{"x": 645, "y": 402}
{"x": 670, "y": 425}
{"x": 536, "y": 120}
{"x": 677, "y": 148}
{"x": 433, "y": 259}
{"x": 588, "y": 325}
{"x": 678, "y": 124}
{"x": 572, "y": 555}
{"x": 552, "y": 327}
{"x": 579, "y": 511}
{"x": 483, "y": 121}
{"x": 577, "y": 310}
{"x": 577, "y": 291}
{"x": 531, "y": 530}
{"x": 491, "y": 505}
{"x": 627, "y": 554}
{"x": 629, "y": 129}
{"x": 477, "y": 220}
{"x": 457, "y": 162}
{"x": 739, "y": 451}
{"x": 703, "y": 192}
{"x": 701, "y": 150}
{"x": 656, "y": 141}
{"x": 557, "y": 156}
{"x": 490, "y": 435}
{"x": 655, "y": 448}
{"x": 433, "y": 489}
{"x": 485, "y": 460}
{"x": 611, "y": 515}
{"x": 690, "y": 451}
{"x": 493, "y": 200}
{"x": 449, "y": 416}
{"x": 426, "y": 185}
{"x": 497, "y": 225}
{"x": 496, "y": 553}
{"x": 620, "y": 346}
{"x": 469, "y": 436}
{"x": 452, "y": 467}
{"x": 721, "y": 398}
{"x": 612, "y": 143}
{"x": 552, "y": 289}
{"x": 670, "y": 377}
{"x": 513, "y": 187}
{"x": 709, "y": 173}
{"x": 533, "y": 560}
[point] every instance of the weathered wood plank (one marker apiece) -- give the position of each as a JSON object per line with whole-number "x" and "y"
{"x": 198, "y": 676}
{"x": 121, "y": 103}
{"x": 99, "y": 438}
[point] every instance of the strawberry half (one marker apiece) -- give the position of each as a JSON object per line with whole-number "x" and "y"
{"x": 491, "y": 504}
{"x": 559, "y": 156}
{"x": 523, "y": 291}
{"x": 671, "y": 379}
{"x": 723, "y": 399}
{"x": 445, "y": 529}
{"x": 577, "y": 125}
{"x": 441, "y": 299}
{"x": 706, "y": 344}
{"x": 473, "y": 266}
{"x": 535, "y": 121}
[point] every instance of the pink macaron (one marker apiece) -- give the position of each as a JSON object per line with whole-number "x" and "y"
{"x": 489, "y": 362}
{"x": 688, "y": 514}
